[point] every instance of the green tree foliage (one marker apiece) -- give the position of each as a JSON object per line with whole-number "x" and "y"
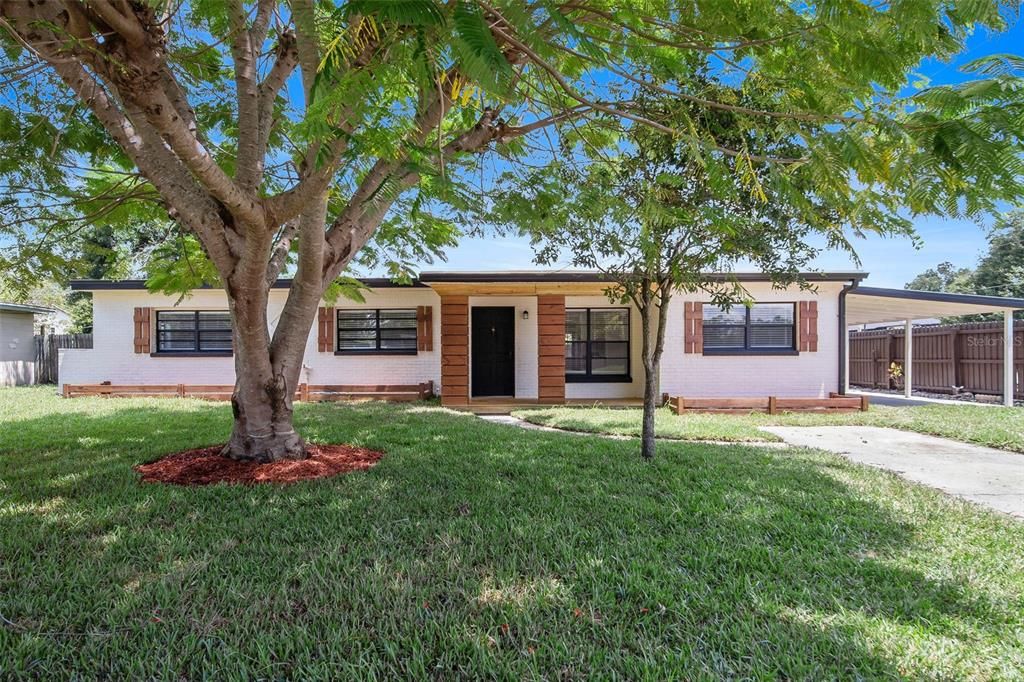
{"x": 945, "y": 277}
{"x": 1000, "y": 272}
{"x": 656, "y": 221}
{"x": 311, "y": 135}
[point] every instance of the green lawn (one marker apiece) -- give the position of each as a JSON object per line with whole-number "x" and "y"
{"x": 992, "y": 426}
{"x": 481, "y": 550}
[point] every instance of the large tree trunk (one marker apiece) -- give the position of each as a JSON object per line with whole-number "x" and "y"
{"x": 263, "y": 430}
{"x": 266, "y": 377}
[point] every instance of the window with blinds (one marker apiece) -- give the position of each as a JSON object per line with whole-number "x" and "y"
{"x": 763, "y": 327}
{"x": 375, "y": 330}
{"x": 193, "y": 331}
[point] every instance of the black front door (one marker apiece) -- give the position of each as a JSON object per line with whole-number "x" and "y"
{"x": 494, "y": 351}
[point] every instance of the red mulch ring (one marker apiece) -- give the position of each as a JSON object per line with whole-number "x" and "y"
{"x": 206, "y": 465}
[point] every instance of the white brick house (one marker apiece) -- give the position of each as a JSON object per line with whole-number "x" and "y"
{"x": 532, "y": 336}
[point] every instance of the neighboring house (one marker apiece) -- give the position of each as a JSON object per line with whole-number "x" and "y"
{"x": 57, "y": 321}
{"x": 549, "y": 337}
{"x": 898, "y": 324}
{"x": 17, "y": 344}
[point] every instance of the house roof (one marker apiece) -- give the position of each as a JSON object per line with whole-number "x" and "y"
{"x": 479, "y": 276}
{"x": 26, "y": 308}
{"x": 597, "y": 276}
{"x": 865, "y": 305}
{"x": 113, "y": 285}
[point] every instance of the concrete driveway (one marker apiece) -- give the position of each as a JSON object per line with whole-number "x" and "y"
{"x": 989, "y": 477}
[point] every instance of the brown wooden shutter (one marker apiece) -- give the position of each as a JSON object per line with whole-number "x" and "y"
{"x": 807, "y": 324}
{"x": 325, "y": 330}
{"x": 693, "y": 327}
{"x": 143, "y": 326}
{"x": 424, "y": 327}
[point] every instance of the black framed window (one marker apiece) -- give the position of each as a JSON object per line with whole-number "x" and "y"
{"x": 761, "y": 328}
{"x": 193, "y": 332}
{"x": 376, "y": 330}
{"x": 597, "y": 344}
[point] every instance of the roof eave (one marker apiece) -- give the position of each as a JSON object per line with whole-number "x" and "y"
{"x": 941, "y": 297}
{"x": 140, "y": 284}
{"x": 594, "y": 276}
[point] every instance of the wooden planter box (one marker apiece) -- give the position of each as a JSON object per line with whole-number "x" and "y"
{"x": 769, "y": 405}
{"x": 305, "y": 392}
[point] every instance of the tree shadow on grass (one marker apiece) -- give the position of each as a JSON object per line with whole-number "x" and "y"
{"x": 475, "y": 549}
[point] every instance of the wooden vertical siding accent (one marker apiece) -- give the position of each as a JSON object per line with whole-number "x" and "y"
{"x": 424, "y": 328}
{"x": 143, "y": 330}
{"x": 807, "y": 323}
{"x": 454, "y": 350}
{"x": 551, "y": 349}
{"x": 325, "y": 330}
{"x": 693, "y": 327}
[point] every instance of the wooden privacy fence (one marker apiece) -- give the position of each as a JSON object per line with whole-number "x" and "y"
{"x": 47, "y": 348}
{"x": 305, "y": 392}
{"x": 945, "y": 355}
{"x": 769, "y": 404}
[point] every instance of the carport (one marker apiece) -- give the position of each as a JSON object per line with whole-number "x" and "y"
{"x": 872, "y": 305}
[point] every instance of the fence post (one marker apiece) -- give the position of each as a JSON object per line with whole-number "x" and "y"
{"x": 890, "y": 340}
{"x": 958, "y": 358}
{"x": 51, "y": 365}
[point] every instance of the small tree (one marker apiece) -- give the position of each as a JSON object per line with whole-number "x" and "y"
{"x": 657, "y": 221}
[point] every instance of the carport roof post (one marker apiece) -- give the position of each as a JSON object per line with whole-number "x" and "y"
{"x": 1008, "y": 379}
{"x": 908, "y": 358}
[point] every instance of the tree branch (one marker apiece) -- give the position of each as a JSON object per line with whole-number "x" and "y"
{"x": 279, "y": 255}
{"x": 249, "y": 166}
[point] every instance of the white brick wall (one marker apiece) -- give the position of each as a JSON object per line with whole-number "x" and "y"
{"x": 327, "y": 368}
{"x": 806, "y": 375}
{"x": 113, "y": 359}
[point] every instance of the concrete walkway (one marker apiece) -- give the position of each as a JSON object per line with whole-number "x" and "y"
{"x": 509, "y": 420}
{"x": 989, "y": 477}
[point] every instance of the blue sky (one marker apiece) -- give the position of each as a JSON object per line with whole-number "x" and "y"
{"x": 891, "y": 262}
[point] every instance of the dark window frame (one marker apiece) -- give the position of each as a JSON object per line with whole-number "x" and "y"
{"x": 377, "y": 350}
{"x": 589, "y": 377}
{"x": 747, "y": 348}
{"x": 196, "y": 337}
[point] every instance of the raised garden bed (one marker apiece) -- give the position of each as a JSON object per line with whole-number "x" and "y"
{"x": 769, "y": 404}
{"x": 305, "y": 392}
